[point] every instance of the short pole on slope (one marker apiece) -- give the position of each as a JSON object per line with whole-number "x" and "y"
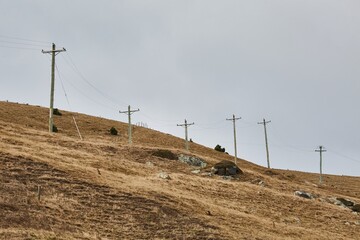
{"x": 186, "y": 124}
{"x": 266, "y": 141}
{"x": 320, "y": 150}
{"x": 129, "y": 112}
{"x": 233, "y": 119}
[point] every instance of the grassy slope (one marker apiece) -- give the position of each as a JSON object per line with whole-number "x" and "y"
{"x": 101, "y": 188}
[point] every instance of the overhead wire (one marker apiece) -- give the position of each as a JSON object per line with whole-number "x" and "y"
{"x": 67, "y": 99}
{"x": 82, "y": 93}
{"x": 26, "y": 44}
{"x": 289, "y": 146}
{"x": 72, "y": 65}
{"x": 169, "y": 122}
{"x": 90, "y": 98}
{"x": 22, "y": 48}
{"x": 23, "y": 39}
{"x": 344, "y": 156}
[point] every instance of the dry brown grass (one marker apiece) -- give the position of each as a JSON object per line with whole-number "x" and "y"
{"x": 102, "y": 188}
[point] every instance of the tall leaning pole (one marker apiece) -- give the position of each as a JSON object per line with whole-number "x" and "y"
{"x": 233, "y": 119}
{"x": 53, "y": 53}
{"x": 320, "y": 150}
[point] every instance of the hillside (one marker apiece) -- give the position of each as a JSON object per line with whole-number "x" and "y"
{"x": 102, "y": 188}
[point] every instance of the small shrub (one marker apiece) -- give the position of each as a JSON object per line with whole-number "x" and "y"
{"x": 55, "y": 129}
{"x": 113, "y": 131}
{"x": 219, "y": 148}
{"x": 57, "y": 112}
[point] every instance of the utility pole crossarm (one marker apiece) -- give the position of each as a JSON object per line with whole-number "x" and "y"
{"x": 53, "y": 53}
{"x": 233, "y": 119}
{"x": 184, "y": 125}
{"x": 129, "y": 112}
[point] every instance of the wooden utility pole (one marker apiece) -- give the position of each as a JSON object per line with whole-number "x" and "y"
{"x": 320, "y": 150}
{"x": 129, "y": 112}
{"x": 53, "y": 53}
{"x": 186, "y": 133}
{"x": 266, "y": 141}
{"x": 233, "y": 119}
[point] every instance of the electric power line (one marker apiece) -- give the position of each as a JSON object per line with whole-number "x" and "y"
{"x": 27, "y": 44}
{"x": 344, "y": 156}
{"x": 22, "y": 48}
{"x": 77, "y": 71}
{"x": 23, "y": 39}
{"x": 169, "y": 122}
{"x": 86, "y": 96}
{"x": 67, "y": 99}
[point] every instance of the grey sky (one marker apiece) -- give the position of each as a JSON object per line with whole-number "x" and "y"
{"x": 295, "y": 63}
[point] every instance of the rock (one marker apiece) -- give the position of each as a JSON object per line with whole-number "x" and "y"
{"x": 228, "y": 177}
{"x": 196, "y": 171}
{"x": 206, "y": 174}
{"x": 357, "y": 223}
{"x": 193, "y": 161}
{"x": 258, "y": 182}
{"x": 149, "y": 164}
{"x": 356, "y": 208}
{"x": 270, "y": 172}
{"x": 304, "y": 194}
{"x": 335, "y": 201}
{"x": 292, "y": 220}
{"x": 347, "y": 223}
{"x": 345, "y": 202}
{"x": 226, "y": 168}
{"x": 164, "y": 175}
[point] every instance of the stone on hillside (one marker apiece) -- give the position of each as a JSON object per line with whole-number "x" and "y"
{"x": 149, "y": 164}
{"x": 193, "y": 161}
{"x": 226, "y": 168}
{"x": 333, "y": 200}
{"x": 164, "y": 175}
{"x": 258, "y": 182}
{"x": 356, "y": 208}
{"x": 345, "y": 202}
{"x": 304, "y": 194}
{"x": 228, "y": 177}
{"x": 196, "y": 171}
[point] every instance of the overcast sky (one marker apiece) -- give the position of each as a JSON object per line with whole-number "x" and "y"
{"x": 295, "y": 63}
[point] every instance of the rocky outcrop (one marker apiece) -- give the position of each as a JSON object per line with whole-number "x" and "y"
{"x": 164, "y": 175}
{"x": 303, "y": 194}
{"x": 356, "y": 208}
{"x": 345, "y": 202}
{"x": 226, "y": 168}
{"x": 193, "y": 161}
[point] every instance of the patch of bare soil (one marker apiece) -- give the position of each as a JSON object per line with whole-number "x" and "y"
{"x": 68, "y": 204}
